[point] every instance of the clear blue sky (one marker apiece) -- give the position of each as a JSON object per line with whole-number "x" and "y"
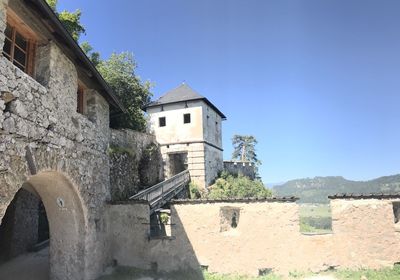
{"x": 316, "y": 82}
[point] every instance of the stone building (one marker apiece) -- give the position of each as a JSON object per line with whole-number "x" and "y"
{"x": 189, "y": 129}
{"x": 55, "y": 137}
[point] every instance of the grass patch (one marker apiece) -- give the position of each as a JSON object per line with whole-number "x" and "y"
{"x": 124, "y": 273}
{"x": 383, "y": 274}
{"x": 211, "y": 276}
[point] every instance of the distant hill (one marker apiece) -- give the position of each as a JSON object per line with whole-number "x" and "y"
{"x": 317, "y": 190}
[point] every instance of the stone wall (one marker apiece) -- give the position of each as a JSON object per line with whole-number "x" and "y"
{"x": 42, "y": 136}
{"x": 265, "y": 236}
{"x": 135, "y": 163}
{"x": 239, "y": 167}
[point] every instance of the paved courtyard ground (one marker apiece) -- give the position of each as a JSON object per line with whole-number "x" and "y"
{"x": 32, "y": 266}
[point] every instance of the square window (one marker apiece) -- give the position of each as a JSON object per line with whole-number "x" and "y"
{"x": 162, "y": 122}
{"x": 186, "y": 118}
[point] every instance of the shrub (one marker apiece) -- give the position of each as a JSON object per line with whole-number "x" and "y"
{"x": 231, "y": 186}
{"x": 194, "y": 191}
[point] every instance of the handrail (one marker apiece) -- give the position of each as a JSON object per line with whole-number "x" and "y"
{"x": 159, "y": 190}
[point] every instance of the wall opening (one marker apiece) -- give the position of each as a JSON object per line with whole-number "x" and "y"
{"x": 186, "y": 118}
{"x": 66, "y": 221}
{"x": 178, "y": 162}
{"x": 162, "y": 122}
{"x": 160, "y": 224}
{"x": 396, "y": 211}
{"x": 315, "y": 218}
{"x": 229, "y": 218}
{"x": 23, "y": 227}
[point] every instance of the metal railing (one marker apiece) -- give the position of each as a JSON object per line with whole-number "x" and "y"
{"x": 161, "y": 193}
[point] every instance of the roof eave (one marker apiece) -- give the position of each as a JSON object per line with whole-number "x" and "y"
{"x": 71, "y": 43}
{"x": 208, "y": 102}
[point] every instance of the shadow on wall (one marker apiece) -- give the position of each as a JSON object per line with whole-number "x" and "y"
{"x": 132, "y": 245}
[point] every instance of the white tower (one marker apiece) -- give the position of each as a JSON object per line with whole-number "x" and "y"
{"x": 188, "y": 128}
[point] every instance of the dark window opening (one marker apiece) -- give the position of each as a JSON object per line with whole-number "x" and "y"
{"x": 234, "y": 222}
{"x": 396, "y": 211}
{"x": 186, "y": 118}
{"x": 80, "y": 101}
{"x": 229, "y": 218}
{"x": 18, "y": 49}
{"x": 162, "y": 122}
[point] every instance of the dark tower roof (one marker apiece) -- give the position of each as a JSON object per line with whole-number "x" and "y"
{"x": 183, "y": 93}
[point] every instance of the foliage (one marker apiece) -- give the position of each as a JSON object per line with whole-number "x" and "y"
{"x": 164, "y": 218}
{"x": 119, "y": 73}
{"x": 317, "y": 190}
{"x": 194, "y": 191}
{"x": 70, "y": 20}
{"x": 93, "y": 56}
{"x": 229, "y": 186}
{"x": 119, "y": 150}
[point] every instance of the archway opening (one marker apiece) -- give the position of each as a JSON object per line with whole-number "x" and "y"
{"x": 24, "y": 236}
{"x": 49, "y": 206}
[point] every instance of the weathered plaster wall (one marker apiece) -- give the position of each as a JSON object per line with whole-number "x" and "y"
{"x": 195, "y": 160}
{"x": 214, "y": 163}
{"x": 212, "y": 126}
{"x": 267, "y": 236}
{"x": 135, "y": 163}
{"x": 175, "y": 130}
{"x": 365, "y": 233}
{"x": 199, "y": 138}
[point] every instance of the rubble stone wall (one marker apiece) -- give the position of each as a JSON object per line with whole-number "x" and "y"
{"x": 135, "y": 163}
{"x": 42, "y": 118}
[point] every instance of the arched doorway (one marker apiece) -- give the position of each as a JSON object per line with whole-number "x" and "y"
{"x": 67, "y": 223}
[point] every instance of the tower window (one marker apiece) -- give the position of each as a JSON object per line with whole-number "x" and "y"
{"x": 186, "y": 118}
{"x": 162, "y": 122}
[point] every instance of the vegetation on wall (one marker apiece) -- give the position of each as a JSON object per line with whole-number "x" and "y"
{"x": 229, "y": 186}
{"x": 118, "y": 71}
{"x": 194, "y": 190}
{"x": 70, "y": 20}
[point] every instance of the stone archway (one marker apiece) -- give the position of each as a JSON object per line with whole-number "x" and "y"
{"x": 67, "y": 223}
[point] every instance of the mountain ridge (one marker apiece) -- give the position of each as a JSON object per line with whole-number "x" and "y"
{"x": 317, "y": 189}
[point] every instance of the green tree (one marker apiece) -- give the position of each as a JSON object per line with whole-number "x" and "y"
{"x": 93, "y": 56}
{"x": 119, "y": 73}
{"x": 70, "y": 20}
{"x": 228, "y": 186}
{"x": 245, "y": 149}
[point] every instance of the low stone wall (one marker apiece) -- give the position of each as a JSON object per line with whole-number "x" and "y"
{"x": 135, "y": 163}
{"x": 262, "y": 236}
{"x": 240, "y": 168}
